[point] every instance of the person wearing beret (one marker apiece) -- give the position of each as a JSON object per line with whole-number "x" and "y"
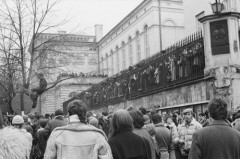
{"x": 186, "y": 131}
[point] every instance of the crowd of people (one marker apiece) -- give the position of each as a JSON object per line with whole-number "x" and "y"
{"x": 129, "y": 133}
{"x": 81, "y": 74}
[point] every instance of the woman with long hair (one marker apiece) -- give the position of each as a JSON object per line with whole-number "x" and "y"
{"x": 123, "y": 142}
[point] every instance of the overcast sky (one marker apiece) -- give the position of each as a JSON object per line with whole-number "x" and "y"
{"x": 82, "y": 15}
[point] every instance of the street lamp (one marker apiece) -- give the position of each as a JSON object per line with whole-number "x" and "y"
{"x": 217, "y": 7}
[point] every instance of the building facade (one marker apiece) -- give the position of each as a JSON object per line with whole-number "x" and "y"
{"x": 188, "y": 75}
{"x": 70, "y": 58}
{"x": 53, "y": 99}
{"x": 152, "y": 26}
{"x": 66, "y": 53}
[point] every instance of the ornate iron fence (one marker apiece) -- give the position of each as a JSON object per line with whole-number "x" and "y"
{"x": 182, "y": 62}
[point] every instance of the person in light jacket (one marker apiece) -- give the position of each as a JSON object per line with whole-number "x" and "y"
{"x": 77, "y": 139}
{"x": 186, "y": 131}
{"x": 173, "y": 129}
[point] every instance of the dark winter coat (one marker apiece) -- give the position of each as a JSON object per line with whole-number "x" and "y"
{"x": 28, "y": 127}
{"x": 216, "y": 141}
{"x": 143, "y": 133}
{"x": 127, "y": 145}
{"x": 58, "y": 121}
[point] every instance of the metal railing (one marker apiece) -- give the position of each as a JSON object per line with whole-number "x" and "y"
{"x": 179, "y": 64}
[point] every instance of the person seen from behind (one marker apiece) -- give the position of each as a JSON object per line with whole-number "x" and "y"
{"x": 123, "y": 142}
{"x": 163, "y": 138}
{"x": 77, "y": 139}
{"x": 138, "y": 123}
{"x": 218, "y": 140}
{"x": 58, "y": 121}
{"x": 15, "y": 142}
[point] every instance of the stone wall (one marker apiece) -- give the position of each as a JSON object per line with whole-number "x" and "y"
{"x": 194, "y": 93}
{"x": 219, "y": 82}
{"x": 53, "y": 99}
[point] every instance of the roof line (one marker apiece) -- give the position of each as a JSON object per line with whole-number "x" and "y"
{"x": 124, "y": 19}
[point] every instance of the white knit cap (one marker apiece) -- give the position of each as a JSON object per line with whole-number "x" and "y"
{"x": 17, "y": 120}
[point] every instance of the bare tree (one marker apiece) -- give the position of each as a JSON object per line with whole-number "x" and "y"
{"x": 22, "y": 24}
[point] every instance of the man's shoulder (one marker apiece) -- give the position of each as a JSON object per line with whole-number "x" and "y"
{"x": 126, "y": 136}
{"x": 57, "y": 121}
{"x": 78, "y": 128}
{"x": 214, "y": 129}
{"x": 27, "y": 126}
{"x": 162, "y": 129}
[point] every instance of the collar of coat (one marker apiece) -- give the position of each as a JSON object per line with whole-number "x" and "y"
{"x": 73, "y": 118}
{"x": 59, "y": 117}
{"x": 80, "y": 127}
{"x": 220, "y": 122}
{"x": 193, "y": 122}
{"x": 160, "y": 125}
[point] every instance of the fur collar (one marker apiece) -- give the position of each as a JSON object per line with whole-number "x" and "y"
{"x": 80, "y": 127}
{"x": 14, "y": 143}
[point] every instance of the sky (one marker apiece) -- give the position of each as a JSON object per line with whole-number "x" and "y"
{"x": 82, "y": 15}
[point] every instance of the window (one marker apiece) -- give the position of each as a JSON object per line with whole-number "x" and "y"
{"x": 117, "y": 58}
{"x": 78, "y": 61}
{"x": 138, "y": 46}
{"x": 92, "y": 61}
{"x": 199, "y": 25}
{"x": 112, "y": 62}
{"x": 123, "y": 56}
{"x": 130, "y": 51}
{"x": 106, "y": 64}
{"x": 102, "y": 65}
{"x": 146, "y": 42}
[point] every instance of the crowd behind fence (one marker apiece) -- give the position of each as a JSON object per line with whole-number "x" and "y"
{"x": 182, "y": 62}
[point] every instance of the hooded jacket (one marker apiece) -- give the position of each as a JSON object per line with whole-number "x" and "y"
{"x": 15, "y": 143}
{"x": 77, "y": 140}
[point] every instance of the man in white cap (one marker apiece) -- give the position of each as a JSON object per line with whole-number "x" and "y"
{"x": 186, "y": 131}
{"x": 17, "y": 122}
{"x": 15, "y": 141}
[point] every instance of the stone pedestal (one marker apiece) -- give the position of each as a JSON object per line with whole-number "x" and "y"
{"x": 221, "y": 41}
{"x": 222, "y": 55}
{"x": 226, "y": 84}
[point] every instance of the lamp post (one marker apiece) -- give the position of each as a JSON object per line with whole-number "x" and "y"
{"x": 217, "y": 7}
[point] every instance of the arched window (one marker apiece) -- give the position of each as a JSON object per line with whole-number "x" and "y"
{"x": 138, "y": 46}
{"x": 146, "y": 42}
{"x": 117, "y": 59}
{"x": 130, "y": 51}
{"x": 123, "y": 56}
